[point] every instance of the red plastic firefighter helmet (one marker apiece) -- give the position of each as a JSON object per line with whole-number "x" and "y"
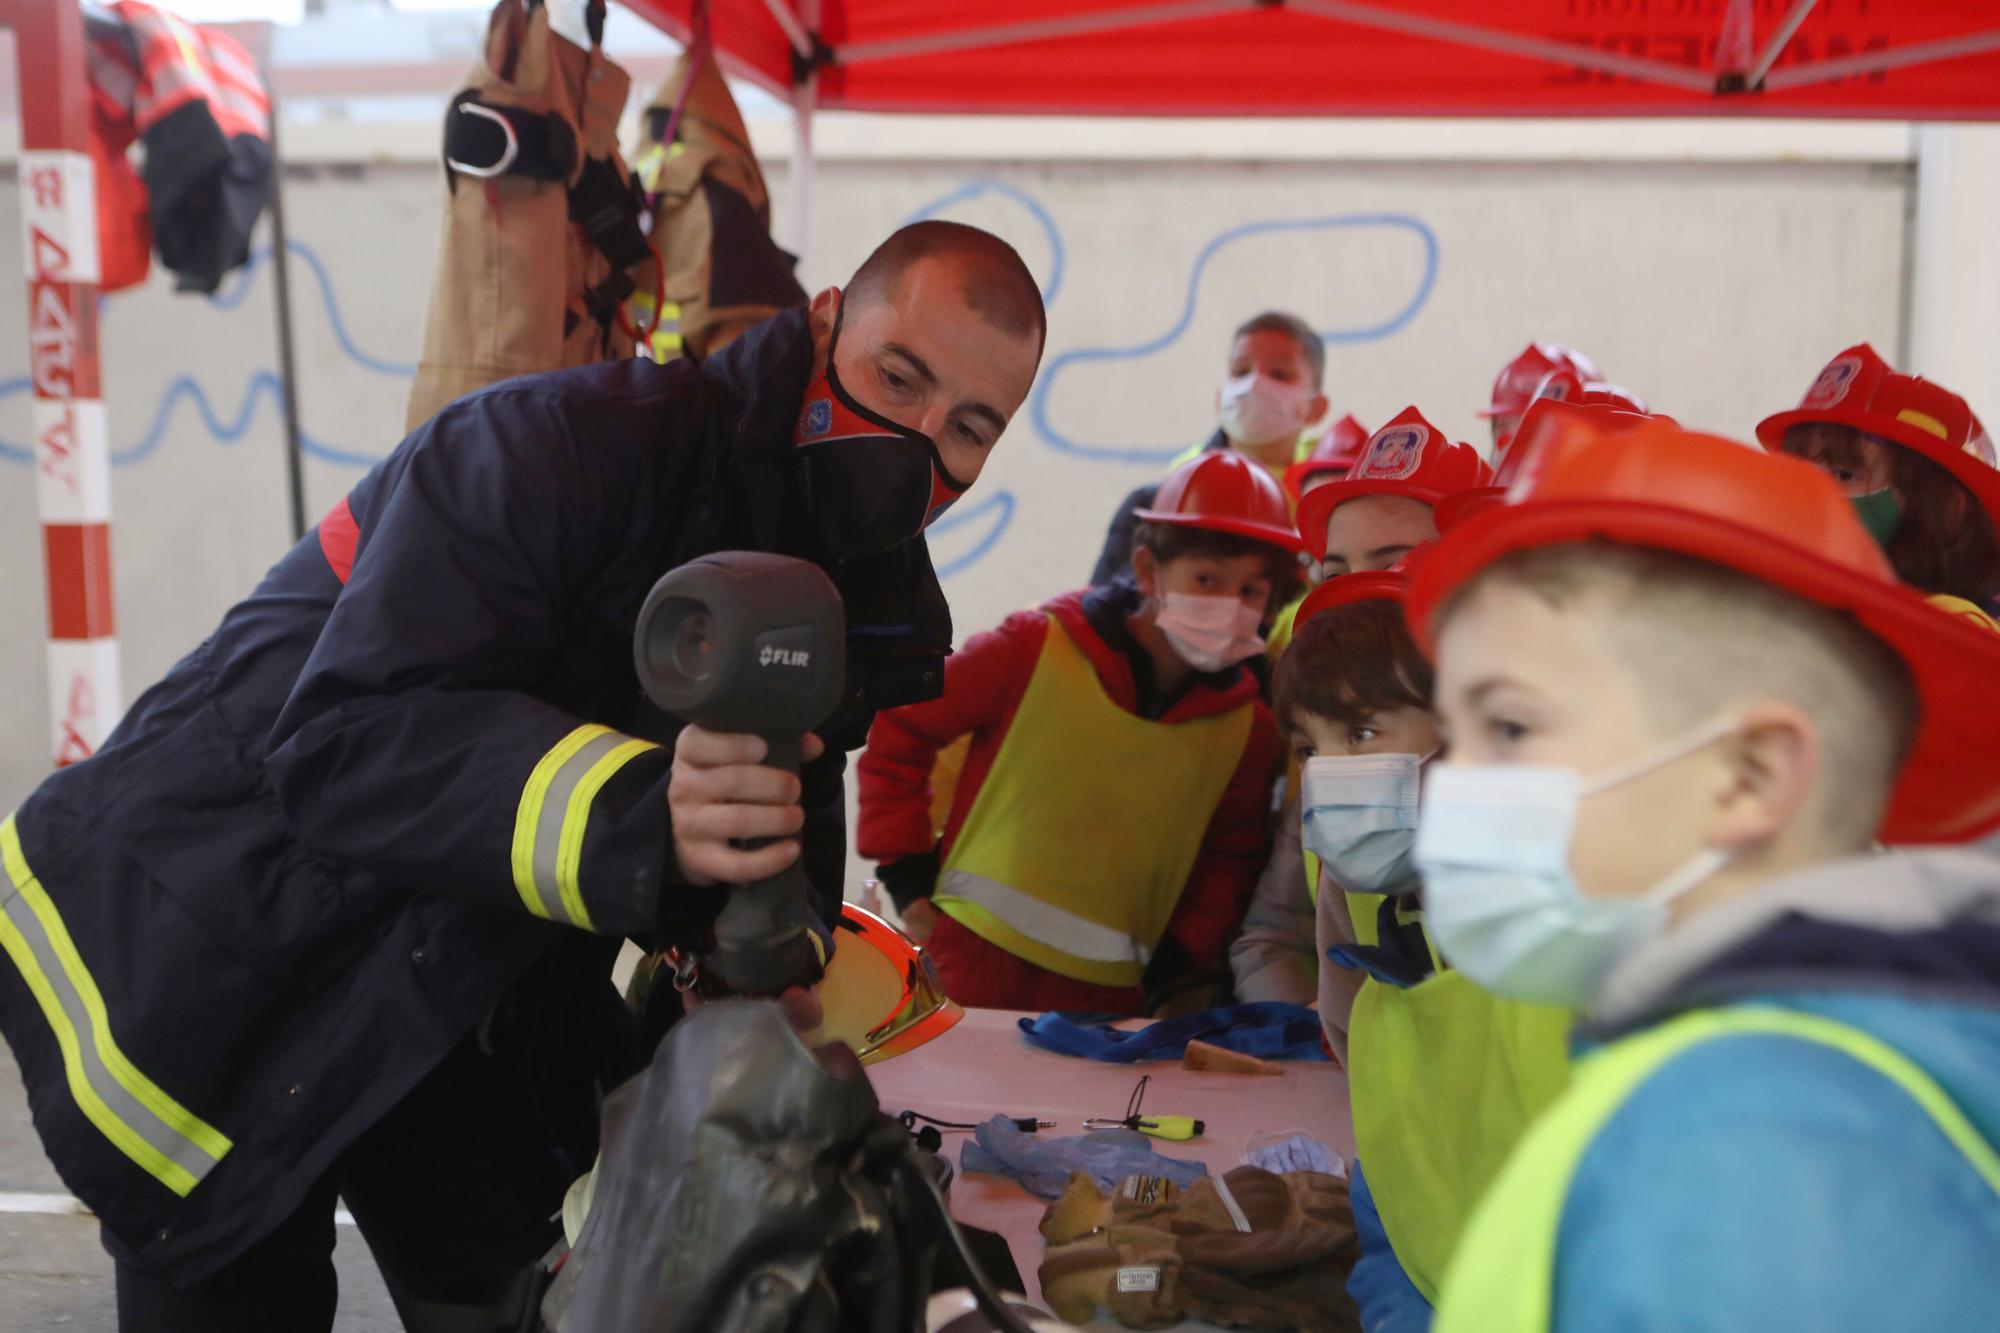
{"x": 1362, "y": 585}
{"x": 1542, "y": 419}
{"x": 1859, "y": 389}
{"x": 1334, "y": 456}
{"x": 1515, "y": 387}
{"x": 1773, "y": 518}
{"x": 1408, "y": 457}
{"x": 1223, "y": 491}
{"x": 1566, "y": 386}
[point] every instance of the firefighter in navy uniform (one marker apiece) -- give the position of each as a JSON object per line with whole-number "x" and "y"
{"x": 333, "y": 911}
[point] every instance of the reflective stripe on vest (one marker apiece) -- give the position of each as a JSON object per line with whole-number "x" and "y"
{"x": 1445, "y": 1079}
{"x": 1081, "y": 839}
{"x": 555, "y": 814}
{"x": 171, "y": 1143}
{"x": 665, "y": 344}
{"x": 1503, "y": 1278}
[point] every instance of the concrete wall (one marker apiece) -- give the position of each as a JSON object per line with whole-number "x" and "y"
{"x": 1713, "y": 287}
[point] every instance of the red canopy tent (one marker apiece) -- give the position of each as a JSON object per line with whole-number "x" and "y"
{"x": 1880, "y": 59}
{"x": 1898, "y": 59}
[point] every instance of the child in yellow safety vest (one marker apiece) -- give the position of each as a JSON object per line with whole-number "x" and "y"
{"x": 1684, "y": 696}
{"x": 1112, "y": 812}
{"x": 1385, "y": 503}
{"x": 1918, "y": 468}
{"x": 1442, "y": 1075}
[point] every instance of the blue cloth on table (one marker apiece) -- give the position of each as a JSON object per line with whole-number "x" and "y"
{"x": 1269, "y": 1030}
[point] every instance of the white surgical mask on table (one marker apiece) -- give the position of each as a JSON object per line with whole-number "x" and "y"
{"x": 1499, "y": 899}
{"x": 1359, "y": 816}
{"x": 1208, "y": 632}
{"x": 1257, "y": 409}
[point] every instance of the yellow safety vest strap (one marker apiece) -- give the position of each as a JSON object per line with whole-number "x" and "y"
{"x": 172, "y": 1144}
{"x": 555, "y": 814}
{"x": 1041, "y": 932}
{"x": 1503, "y": 1277}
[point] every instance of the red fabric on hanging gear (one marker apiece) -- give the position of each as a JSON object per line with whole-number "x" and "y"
{"x": 193, "y": 99}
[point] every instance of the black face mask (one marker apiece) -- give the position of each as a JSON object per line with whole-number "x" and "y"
{"x": 860, "y": 483}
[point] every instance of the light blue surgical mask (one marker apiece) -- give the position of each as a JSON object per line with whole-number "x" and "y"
{"x": 1499, "y": 899}
{"x": 1359, "y": 816}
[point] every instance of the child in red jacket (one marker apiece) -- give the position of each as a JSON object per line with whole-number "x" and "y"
{"x": 1110, "y": 820}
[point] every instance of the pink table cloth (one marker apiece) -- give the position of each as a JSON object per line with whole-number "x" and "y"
{"x": 985, "y": 1067}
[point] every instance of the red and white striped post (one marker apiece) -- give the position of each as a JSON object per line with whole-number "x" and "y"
{"x": 72, "y": 449}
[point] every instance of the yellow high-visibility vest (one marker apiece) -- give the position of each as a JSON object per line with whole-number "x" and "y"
{"x": 1081, "y": 839}
{"x": 1503, "y": 1278}
{"x": 1444, "y": 1079}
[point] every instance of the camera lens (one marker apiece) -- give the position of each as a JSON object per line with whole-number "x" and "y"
{"x": 694, "y": 646}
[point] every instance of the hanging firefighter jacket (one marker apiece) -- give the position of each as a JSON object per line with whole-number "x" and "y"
{"x": 716, "y": 271}
{"x": 541, "y": 224}
{"x": 411, "y": 766}
{"x": 192, "y": 98}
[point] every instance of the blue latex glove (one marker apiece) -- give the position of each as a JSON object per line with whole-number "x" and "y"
{"x": 1043, "y": 1164}
{"x": 1294, "y": 1152}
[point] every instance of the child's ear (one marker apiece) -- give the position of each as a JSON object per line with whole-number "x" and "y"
{"x": 1146, "y": 571}
{"x": 1319, "y": 407}
{"x": 1774, "y": 768}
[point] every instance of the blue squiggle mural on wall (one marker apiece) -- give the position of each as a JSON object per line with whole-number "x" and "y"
{"x": 998, "y": 506}
{"x": 226, "y": 427}
{"x": 1003, "y": 502}
{"x": 963, "y": 538}
{"x": 978, "y": 189}
{"x": 1158, "y": 455}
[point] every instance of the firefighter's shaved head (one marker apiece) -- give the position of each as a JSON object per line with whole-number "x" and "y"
{"x": 941, "y": 331}
{"x": 997, "y": 284}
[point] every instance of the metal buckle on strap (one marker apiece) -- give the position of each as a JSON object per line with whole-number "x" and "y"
{"x": 507, "y": 156}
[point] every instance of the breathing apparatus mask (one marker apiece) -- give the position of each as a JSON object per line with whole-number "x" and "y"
{"x": 1359, "y": 816}
{"x": 861, "y": 483}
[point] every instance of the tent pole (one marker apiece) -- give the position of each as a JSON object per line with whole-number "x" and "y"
{"x": 1826, "y": 71}
{"x": 805, "y": 100}
{"x": 1776, "y": 46}
{"x": 281, "y": 288}
{"x": 788, "y": 23}
{"x": 799, "y": 228}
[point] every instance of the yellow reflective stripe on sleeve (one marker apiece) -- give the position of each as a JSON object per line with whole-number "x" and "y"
{"x": 554, "y": 814}
{"x": 527, "y": 819}
{"x": 168, "y": 1141}
{"x": 576, "y": 819}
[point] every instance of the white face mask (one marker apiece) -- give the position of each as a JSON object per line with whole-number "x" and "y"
{"x": 1359, "y": 816}
{"x": 1257, "y": 409}
{"x": 1499, "y": 899}
{"x": 1210, "y": 633}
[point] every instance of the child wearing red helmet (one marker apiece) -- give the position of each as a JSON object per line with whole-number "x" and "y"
{"x": 1111, "y": 816}
{"x": 1383, "y": 508}
{"x": 1518, "y": 381}
{"x": 1686, "y": 697}
{"x": 1916, "y": 464}
{"x": 1442, "y": 1076}
{"x": 1272, "y": 391}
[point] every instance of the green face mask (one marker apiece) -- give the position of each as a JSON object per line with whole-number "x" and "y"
{"x": 1881, "y": 512}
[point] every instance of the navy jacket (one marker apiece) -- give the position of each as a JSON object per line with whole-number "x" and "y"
{"x": 412, "y": 765}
